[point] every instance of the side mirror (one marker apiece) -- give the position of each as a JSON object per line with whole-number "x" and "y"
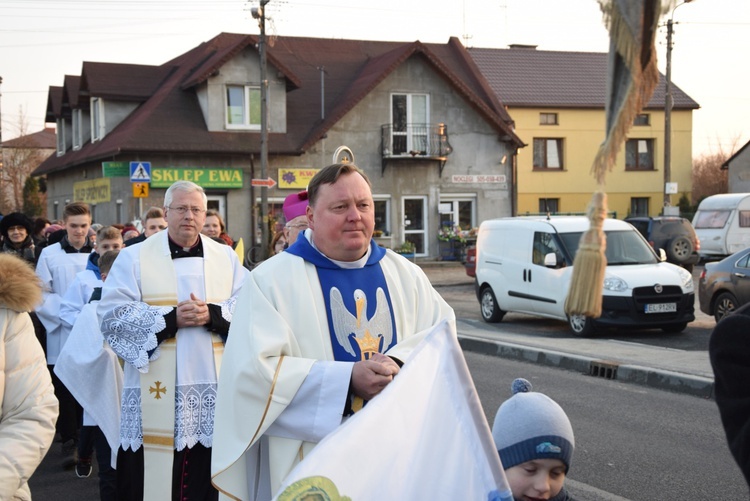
{"x": 662, "y": 255}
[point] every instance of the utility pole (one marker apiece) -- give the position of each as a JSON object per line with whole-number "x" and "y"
{"x": 668, "y": 118}
{"x": 260, "y": 14}
{"x": 668, "y": 102}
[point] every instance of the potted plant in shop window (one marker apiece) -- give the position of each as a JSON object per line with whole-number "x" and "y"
{"x": 407, "y": 249}
{"x": 450, "y": 232}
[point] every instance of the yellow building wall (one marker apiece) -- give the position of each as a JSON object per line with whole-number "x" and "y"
{"x": 582, "y": 131}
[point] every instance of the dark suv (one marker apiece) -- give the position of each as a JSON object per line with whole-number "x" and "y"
{"x": 673, "y": 234}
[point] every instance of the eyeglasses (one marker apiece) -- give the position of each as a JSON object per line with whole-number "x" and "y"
{"x": 297, "y": 225}
{"x": 182, "y": 210}
{"x": 16, "y": 228}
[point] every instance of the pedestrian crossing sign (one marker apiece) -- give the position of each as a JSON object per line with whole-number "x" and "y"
{"x": 140, "y": 190}
{"x": 140, "y": 172}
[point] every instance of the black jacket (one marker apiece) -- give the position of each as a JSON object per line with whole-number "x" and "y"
{"x": 729, "y": 349}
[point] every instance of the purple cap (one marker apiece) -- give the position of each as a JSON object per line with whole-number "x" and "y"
{"x": 295, "y": 205}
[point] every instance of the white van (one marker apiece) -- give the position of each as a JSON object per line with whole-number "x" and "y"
{"x": 525, "y": 265}
{"x": 722, "y": 224}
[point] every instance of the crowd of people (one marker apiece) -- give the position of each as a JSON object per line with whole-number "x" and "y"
{"x": 133, "y": 332}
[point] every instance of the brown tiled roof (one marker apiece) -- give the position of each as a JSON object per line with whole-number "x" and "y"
{"x": 44, "y": 139}
{"x": 228, "y": 46}
{"x": 169, "y": 118}
{"x": 54, "y": 103}
{"x": 71, "y": 86}
{"x": 526, "y": 77}
{"x": 127, "y": 82}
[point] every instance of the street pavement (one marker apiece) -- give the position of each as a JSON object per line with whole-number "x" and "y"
{"x": 665, "y": 368}
{"x": 658, "y": 367}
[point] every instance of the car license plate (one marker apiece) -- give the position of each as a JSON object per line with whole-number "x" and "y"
{"x": 661, "y": 308}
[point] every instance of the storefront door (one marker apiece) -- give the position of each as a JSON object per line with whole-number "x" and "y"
{"x": 414, "y": 210}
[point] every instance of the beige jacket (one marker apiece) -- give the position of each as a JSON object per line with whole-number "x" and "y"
{"x": 29, "y": 407}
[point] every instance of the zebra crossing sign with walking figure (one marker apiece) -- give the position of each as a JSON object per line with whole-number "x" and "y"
{"x": 140, "y": 172}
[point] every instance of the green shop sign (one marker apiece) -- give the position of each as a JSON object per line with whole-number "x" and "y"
{"x": 207, "y": 178}
{"x": 115, "y": 169}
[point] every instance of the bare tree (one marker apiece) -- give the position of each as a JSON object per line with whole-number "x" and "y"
{"x": 20, "y": 157}
{"x": 708, "y": 176}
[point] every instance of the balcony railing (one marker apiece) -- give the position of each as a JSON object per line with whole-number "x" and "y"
{"x": 419, "y": 141}
{"x": 412, "y": 140}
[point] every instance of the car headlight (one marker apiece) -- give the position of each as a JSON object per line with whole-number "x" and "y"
{"x": 687, "y": 280}
{"x": 612, "y": 283}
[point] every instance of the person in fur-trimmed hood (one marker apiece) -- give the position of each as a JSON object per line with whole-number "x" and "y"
{"x": 28, "y": 405}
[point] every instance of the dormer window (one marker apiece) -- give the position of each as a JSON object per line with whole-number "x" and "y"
{"x": 243, "y": 107}
{"x": 97, "y": 119}
{"x": 77, "y": 126}
{"x": 60, "y": 136}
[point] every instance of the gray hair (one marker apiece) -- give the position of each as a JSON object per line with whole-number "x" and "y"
{"x": 184, "y": 187}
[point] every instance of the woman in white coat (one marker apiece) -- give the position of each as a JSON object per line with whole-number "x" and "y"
{"x": 28, "y": 408}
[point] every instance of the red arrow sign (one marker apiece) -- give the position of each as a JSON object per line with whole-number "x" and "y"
{"x": 268, "y": 183}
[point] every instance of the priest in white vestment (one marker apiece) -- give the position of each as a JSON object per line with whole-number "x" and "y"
{"x": 165, "y": 309}
{"x": 320, "y": 329}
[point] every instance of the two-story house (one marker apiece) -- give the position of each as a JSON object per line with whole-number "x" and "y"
{"x": 557, "y": 101}
{"x": 421, "y": 120}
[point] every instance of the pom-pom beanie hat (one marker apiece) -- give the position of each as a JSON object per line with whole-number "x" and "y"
{"x": 530, "y": 425}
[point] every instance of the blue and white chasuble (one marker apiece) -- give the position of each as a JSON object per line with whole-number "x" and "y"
{"x": 358, "y": 304}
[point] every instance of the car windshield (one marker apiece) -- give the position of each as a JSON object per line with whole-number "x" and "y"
{"x": 706, "y": 219}
{"x": 623, "y": 247}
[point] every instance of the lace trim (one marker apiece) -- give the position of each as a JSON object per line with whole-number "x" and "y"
{"x": 227, "y": 308}
{"x": 131, "y": 427}
{"x": 130, "y": 330}
{"x": 194, "y": 416}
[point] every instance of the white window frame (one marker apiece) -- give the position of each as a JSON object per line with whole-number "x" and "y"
{"x": 220, "y": 201}
{"x": 411, "y": 133}
{"x": 423, "y": 231}
{"x": 454, "y": 199}
{"x": 387, "y": 229}
{"x": 77, "y": 126}
{"x": 245, "y": 125}
{"x": 98, "y": 127}
{"x": 60, "y": 136}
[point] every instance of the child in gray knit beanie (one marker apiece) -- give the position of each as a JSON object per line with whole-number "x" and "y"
{"x": 535, "y": 441}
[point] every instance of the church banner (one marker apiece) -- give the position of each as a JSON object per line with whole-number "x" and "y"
{"x": 424, "y": 437}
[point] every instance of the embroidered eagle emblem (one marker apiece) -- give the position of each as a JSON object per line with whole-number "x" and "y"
{"x": 367, "y": 333}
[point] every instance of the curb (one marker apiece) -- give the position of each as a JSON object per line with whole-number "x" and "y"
{"x": 608, "y": 369}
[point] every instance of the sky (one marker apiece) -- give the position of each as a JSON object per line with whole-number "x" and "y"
{"x": 43, "y": 40}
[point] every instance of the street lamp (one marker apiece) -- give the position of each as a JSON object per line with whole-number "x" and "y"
{"x": 668, "y": 109}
